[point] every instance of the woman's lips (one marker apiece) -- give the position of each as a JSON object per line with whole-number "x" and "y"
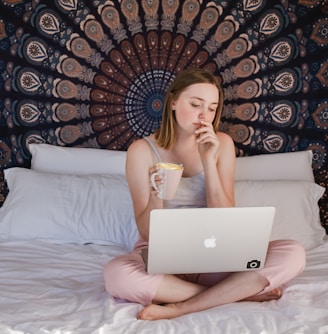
{"x": 197, "y": 125}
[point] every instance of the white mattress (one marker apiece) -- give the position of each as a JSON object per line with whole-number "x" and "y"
{"x": 59, "y": 289}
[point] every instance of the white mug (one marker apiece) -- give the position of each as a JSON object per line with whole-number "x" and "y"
{"x": 171, "y": 174}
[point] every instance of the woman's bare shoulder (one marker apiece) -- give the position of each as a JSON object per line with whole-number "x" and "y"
{"x": 224, "y": 138}
{"x": 227, "y": 145}
{"x": 139, "y": 150}
{"x": 138, "y": 146}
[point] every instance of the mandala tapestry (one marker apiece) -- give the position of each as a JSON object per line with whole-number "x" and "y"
{"x": 94, "y": 73}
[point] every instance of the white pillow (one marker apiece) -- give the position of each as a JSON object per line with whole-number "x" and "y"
{"x": 98, "y": 208}
{"x": 67, "y": 208}
{"x": 75, "y": 160}
{"x": 277, "y": 166}
{"x": 297, "y": 210}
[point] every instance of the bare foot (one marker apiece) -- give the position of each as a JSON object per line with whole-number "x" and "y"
{"x": 271, "y": 295}
{"x": 156, "y": 312}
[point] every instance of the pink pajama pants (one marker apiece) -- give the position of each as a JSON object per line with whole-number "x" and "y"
{"x": 126, "y": 278}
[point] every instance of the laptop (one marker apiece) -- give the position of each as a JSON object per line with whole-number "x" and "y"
{"x": 204, "y": 240}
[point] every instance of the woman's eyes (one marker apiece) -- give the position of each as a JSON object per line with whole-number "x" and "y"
{"x": 197, "y": 105}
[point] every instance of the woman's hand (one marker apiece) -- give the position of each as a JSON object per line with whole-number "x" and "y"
{"x": 158, "y": 181}
{"x": 208, "y": 142}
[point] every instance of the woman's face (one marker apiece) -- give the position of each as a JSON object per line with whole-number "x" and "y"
{"x": 197, "y": 102}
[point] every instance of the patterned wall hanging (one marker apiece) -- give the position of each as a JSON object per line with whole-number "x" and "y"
{"x": 94, "y": 73}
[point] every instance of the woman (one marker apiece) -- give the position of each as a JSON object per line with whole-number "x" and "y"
{"x": 188, "y": 135}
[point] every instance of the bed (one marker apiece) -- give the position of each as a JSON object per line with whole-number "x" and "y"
{"x": 71, "y": 212}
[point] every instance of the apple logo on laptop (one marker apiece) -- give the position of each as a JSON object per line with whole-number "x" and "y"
{"x": 210, "y": 242}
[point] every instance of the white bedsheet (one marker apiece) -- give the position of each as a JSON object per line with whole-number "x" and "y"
{"x": 58, "y": 289}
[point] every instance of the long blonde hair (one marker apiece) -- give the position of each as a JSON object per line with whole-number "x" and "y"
{"x": 166, "y": 134}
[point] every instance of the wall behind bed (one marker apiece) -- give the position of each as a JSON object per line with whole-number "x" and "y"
{"x": 94, "y": 73}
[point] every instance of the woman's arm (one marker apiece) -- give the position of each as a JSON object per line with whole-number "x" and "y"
{"x": 139, "y": 166}
{"x": 217, "y": 153}
{"x": 219, "y": 178}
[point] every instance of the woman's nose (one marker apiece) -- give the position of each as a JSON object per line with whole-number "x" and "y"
{"x": 201, "y": 116}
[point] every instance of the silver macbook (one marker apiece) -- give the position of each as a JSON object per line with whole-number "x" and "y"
{"x": 203, "y": 240}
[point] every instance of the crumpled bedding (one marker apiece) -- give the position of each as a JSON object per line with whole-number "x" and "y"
{"x": 59, "y": 289}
